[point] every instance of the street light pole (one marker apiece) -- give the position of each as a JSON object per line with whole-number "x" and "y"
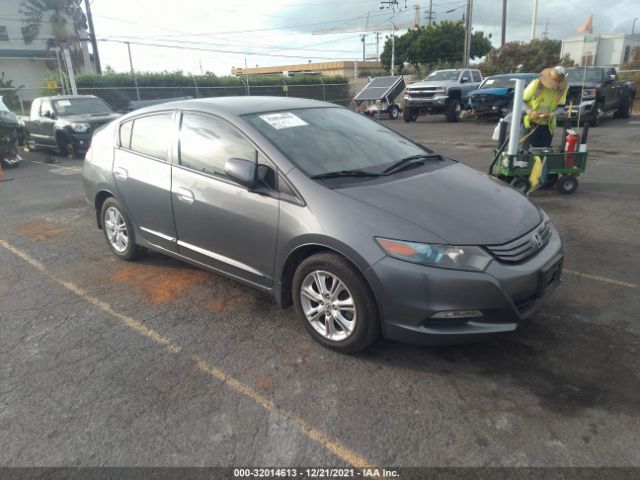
{"x": 633, "y": 29}
{"x": 133, "y": 73}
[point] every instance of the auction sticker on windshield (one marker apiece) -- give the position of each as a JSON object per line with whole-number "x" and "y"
{"x": 283, "y": 120}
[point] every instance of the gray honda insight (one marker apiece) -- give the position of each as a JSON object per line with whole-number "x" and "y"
{"x": 366, "y": 233}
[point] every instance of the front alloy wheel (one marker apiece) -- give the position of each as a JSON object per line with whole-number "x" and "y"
{"x": 328, "y": 305}
{"x": 335, "y": 303}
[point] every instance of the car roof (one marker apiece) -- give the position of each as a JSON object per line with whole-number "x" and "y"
{"x": 514, "y": 75}
{"x": 240, "y": 105}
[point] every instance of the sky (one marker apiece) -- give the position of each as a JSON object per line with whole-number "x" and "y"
{"x": 216, "y": 35}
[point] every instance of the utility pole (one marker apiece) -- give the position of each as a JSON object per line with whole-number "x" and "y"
{"x": 633, "y": 29}
{"x": 393, "y": 50}
{"x": 546, "y": 29}
{"x": 378, "y": 46}
{"x": 94, "y": 42}
{"x": 133, "y": 73}
{"x": 363, "y": 38}
{"x": 533, "y": 19}
{"x": 430, "y": 12}
{"x": 467, "y": 38}
{"x": 504, "y": 23}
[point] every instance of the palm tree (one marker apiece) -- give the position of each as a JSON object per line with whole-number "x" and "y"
{"x": 66, "y": 18}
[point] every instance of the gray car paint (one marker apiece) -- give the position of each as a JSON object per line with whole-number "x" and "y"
{"x": 258, "y": 238}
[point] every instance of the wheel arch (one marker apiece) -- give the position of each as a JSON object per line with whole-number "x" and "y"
{"x": 284, "y": 294}
{"x": 99, "y": 200}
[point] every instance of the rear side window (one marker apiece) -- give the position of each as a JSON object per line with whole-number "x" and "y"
{"x": 151, "y": 135}
{"x": 476, "y": 76}
{"x": 206, "y": 143}
{"x": 125, "y": 134}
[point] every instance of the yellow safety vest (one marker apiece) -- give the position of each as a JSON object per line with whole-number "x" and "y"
{"x": 543, "y": 99}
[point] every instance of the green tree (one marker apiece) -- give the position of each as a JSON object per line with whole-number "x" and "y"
{"x": 441, "y": 43}
{"x": 526, "y": 57}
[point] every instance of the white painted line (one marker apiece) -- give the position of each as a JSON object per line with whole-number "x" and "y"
{"x": 601, "y": 279}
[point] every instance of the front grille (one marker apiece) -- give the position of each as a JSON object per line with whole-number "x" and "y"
{"x": 483, "y": 101}
{"x": 522, "y": 248}
{"x": 421, "y": 93}
{"x": 574, "y": 94}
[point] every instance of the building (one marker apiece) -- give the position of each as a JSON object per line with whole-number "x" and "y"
{"x": 346, "y": 68}
{"x": 30, "y": 62}
{"x": 600, "y": 48}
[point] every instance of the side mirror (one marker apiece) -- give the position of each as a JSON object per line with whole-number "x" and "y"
{"x": 464, "y": 80}
{"x": 612, "y": 77}
{"x": 48, "y": 114}
{"x": 244, "y": 172}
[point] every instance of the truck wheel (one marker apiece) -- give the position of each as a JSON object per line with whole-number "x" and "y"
{"x": 625, "y": 109}
{"x": 394, "y": 111}
{"x": 64, "y": 147}
{"x": 453, "y": 111}
{"x": 521, "y": 184}
{"x": 594, "y": 118}
{"x": 567, "y": 184}
{"x": 407, "y": 115}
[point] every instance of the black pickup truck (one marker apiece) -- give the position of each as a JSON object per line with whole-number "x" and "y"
{"x": 596, "y": 91}
{"x": 66, "y": 123}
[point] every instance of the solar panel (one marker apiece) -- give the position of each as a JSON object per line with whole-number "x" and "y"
{"x": 380, "y": 88}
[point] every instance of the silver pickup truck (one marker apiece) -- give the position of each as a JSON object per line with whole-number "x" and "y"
{"x": 442, "y": 92}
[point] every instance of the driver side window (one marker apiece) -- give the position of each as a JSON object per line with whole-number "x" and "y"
{"x": 206, "y": 143}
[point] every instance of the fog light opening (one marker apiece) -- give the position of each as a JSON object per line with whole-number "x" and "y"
{"x": 455, "y": 314}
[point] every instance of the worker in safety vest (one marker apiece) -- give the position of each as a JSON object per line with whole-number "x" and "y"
{"x": 542, "y": 98}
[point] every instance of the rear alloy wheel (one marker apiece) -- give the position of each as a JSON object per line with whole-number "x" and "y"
{"x": 567, "y": 184}
{"x": 521, "y": 184}
{"x": 454, "y": 109}
{"x": 118, "y": 231}
{"x": 394, "y": 111}
{"x": 335, "y": 303}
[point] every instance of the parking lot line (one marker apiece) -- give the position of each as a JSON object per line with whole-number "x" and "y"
{"x": 317, "y": 436}
{"x": 598, "y": 278}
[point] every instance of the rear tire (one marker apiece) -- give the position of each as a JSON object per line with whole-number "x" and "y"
{"x": 567, "y": 184}
{"x": 453, "y": 110}
{"x": 118, "y": 231}
{"x": 625, "y": 109}
{"x": 332, "y": 299}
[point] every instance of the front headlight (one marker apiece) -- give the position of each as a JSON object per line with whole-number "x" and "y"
{"x": 442, "y": 256}
{"x": 80, "y": 127}
{"x": 588, "y": 92}
{"x": 440, "y": 91}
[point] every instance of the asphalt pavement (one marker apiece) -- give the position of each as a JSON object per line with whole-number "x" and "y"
{"x": 157, "y": 363}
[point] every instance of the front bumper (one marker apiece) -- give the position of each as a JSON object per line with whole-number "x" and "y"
{"x": 409, "y": 295}
{"x": 434, "y": 102}
{"x": 80, "y": 142}
{"x": 584, "y": 109}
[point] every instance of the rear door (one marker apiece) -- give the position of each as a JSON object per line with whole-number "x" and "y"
{"x": 220, "y": 223}
{"x": 142, "y": 174}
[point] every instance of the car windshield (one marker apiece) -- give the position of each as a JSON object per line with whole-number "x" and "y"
{"x": 326, "y": 140}
{"x": 499, "y": 82}
{"x": 79, "y": 106}
{"x": 444, "y": 75}
{"x": 590, "y": 75}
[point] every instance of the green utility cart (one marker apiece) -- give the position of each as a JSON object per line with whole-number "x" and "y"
{"x": 563, "y": 168}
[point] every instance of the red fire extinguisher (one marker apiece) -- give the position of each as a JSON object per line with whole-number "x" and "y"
{"x": 570, "y": 147}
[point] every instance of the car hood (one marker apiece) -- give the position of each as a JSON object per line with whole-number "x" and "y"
{"x": 491, "y": 91}
{"x": 429, "y": 84}
{"x": 458, "y": 204}
{"x": 92, "y": 118}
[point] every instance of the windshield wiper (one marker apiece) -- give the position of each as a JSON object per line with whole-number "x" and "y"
{"x": 345, "y": 173}
{"x": 408, "y": 161}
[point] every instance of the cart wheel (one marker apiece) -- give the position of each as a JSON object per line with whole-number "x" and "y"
{"x": 567, "y": 184}
{"x": 521, "y": 183}
{"x": 394, "y": 111}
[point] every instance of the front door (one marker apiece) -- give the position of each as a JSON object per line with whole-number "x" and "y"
{"x": 142, "y": 173}
{"x": 220, "y": 223}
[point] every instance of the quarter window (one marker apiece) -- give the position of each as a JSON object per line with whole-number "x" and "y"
{"x": 206, "y": 143}
{"x": 151, "y": 135}
{"x": 125, "y": 134}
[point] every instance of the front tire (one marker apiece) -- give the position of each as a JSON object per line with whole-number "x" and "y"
{"x": 394, "y": 111}
{"x": 118, "y": 231}
{"x": 408, "y": 116}
{"x": 335, "y": 303}
{"x": 454, "y": 109}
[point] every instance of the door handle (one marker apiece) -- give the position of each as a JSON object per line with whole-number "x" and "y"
{"x": 185, "y": 195}
{"x": 121, "y": 173}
